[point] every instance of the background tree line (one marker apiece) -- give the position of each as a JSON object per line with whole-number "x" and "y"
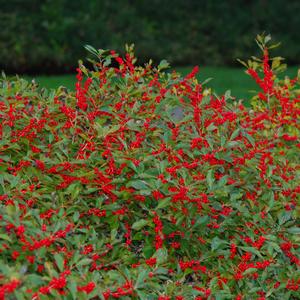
{"x": 47, "y": 36}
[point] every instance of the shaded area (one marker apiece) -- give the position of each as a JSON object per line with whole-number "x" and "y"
{"x": 48, "y": 36}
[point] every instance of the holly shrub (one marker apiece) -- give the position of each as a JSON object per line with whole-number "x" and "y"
{"x": 143, "y": 184}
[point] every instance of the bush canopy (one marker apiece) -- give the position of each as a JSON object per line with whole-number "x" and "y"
{"x": 143, "y": 184}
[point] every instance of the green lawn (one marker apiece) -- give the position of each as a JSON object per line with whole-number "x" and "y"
{"x": 223, "y": 79}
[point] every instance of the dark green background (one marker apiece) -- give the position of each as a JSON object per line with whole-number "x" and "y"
{"x": 47, "y": 36}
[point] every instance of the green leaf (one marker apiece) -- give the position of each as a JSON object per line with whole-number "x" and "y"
{"x": 211, "y": 127}
{"x": 75, "y": 192}
{"x": 161, "y": 255}
{"x": 139, "y": 224}
{"x": 5, "y": 237}
{"x": 275, "y": 247}
{"x": 163, "y": 65}
{"x": 250, "y": 271}
{"x": 249, "y": 138}
{"x": 293, "y": 230}
{"x": 142, "y": 295}
{"x": 242, "y": 62}
{"x": 210, "y": 178}
{"x": 143, "y": 274}
{"x": 213, "y": 283}
{"x": 59, "y": 261}
{"x": 35, "y": 279}
{"x": 271, "y": 202}
{"x": 223, "y": 140}
{"x": 227, "y": 95}
{"x": 148, "y": 250}
{"x": 139, "y": 185}
{"x": 201, "y": 220}
{"x": 206, "y": 81}
{"x": 84, "y": 262}
{"x": 252, "y": 250}
{"x": 223, "y": 181}
{"x": 232, "y": 144}
{"x": 216, "y": 243}
{"x": 76, "y": 216}
{"x": 163, "y": 203}
{"x": 284, "y": 217}
{"x": 161, "y": 270}
{"x": 73, "y": 288}
{"x": 235, "y": 196}
{"x": 235, "y": 134}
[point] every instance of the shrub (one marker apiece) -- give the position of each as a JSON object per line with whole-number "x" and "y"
{"x": 142, "y": 184}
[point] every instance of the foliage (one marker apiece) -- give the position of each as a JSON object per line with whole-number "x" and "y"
{"x": 145, "y": 185}
{"x": 47, "y": 36}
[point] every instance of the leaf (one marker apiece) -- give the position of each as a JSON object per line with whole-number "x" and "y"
{"x": 59, "y": 261}
{"x": 294, "y": 230}
{"x": 235, "y": 196}
{"x": 35, "y": 279}
{"x": 73, "y": 288}
{"x": 253, "y": 250}
{"x": 76, "y": 216}
{"x": 139, "y": 185}
{"x": 146, "y": 176}
{"x": 163, "y": 203}
{"x": 5, "y": 237}
{"x": 141, "y": 278}
{"x": 206, "y": 81}
{"x": 49, "y": 268}
{"x": 284, "y": 217}
{"x": 213, "y": 283}
{"x": 249, "y": 138}
{"x": 75, "y": 192}
{"x": 223, "y": 140}
{"x": 179, "y": 219}
{"x": 139, "y": 224}
{"x": 148, "y": 250}
{"x": 267, "y": 38}
{"x": 211, "y": 127}
{"x": 223, "y": 181}
{"x": 216, "y": 242}
{"x": 235, "y": 134}
{"x": 161, "y": 255}
{"x": 227, "y": 95}
{"x": 91, "y": 50}
{"x": 84, "y": 262}
{"x": 242, "y": 62}
{"x": 210, "y": 178}
{"x": 163, "y": 65}
{"x": 250, "y": 271}
{"x": 275, "y": 247}
{"x": 142, "y": 295}
{"x": 161, "y": 270}
{"x": 201, "y": 220}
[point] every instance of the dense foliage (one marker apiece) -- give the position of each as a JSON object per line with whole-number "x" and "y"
{"x": 47, "y": 36}
{"x": 145, "y": 185}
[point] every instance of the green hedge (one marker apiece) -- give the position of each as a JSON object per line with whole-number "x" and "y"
{"x": 48, "y": 36}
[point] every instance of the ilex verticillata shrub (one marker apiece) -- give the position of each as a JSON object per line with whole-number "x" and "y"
{"x": 143, "y": 184}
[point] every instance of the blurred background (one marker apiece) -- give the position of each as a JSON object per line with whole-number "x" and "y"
{"x": 46, "y": 37}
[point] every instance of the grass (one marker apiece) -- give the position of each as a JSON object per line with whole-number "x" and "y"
{"x": 223, "y": 79}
